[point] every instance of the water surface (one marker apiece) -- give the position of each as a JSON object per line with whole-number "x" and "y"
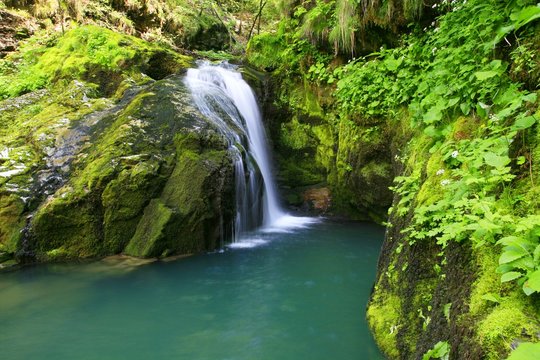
{"x": 298, "y": 295}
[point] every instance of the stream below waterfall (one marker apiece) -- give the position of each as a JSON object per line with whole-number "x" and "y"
{"x": 292, "y": 295}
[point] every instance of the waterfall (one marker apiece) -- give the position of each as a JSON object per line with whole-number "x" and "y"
{"x": 220, "y": 93}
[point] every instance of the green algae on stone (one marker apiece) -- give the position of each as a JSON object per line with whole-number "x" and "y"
{"x": 158, "y": 155}
{"x": 150, "y": 231}
{"x": 190, "y": 208}
{"x": 124, "y": 198}
{"x": 11, "y": 209}
{"x": 383, "y": 315}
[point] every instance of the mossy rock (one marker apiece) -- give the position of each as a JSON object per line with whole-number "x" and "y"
{"x": 158, "y": 156}
{"x": 90, "y": 53}
{"x": 314, "y": 147}
{"x": 150, "y": 232}
{"x": 211, "y": 35}
{"x": 11, "y": 209}
{"x": 191, "y": 209}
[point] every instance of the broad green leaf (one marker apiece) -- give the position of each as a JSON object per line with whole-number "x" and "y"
{"x": 526, "y": 351}
{"x": 508, "y": 240}
{"x": 484, "y": 75}
{"x": 525, "y": 16}
{"x": 492, "y": 297}
{"x": 481, "y": 111}
{"x": 432, "y": 115}
{"x": 441, "y": 350}
{"x": 446, "y": 311}
{"x": 525, "y": 263}
{"x": 536, "y": 254}
{"x": 502, "y": 32}
{"x": 507, "y": 97}
{"x": 527, "y": 290}
{"x": 511, "y": 255}
{"x": 509, "y": 276}
{"x": 495, "y": 160}
{"x": 501, "y": 269}
{"x": 529, "y": 97}
{"x": 534, "y": 281}
{"x": 392, "y": 64}
{"x": 452, "y": 102}
{"x": 465, "y": 108}
{"x": 432, "y": 131}
{"x": 524, "y": 123}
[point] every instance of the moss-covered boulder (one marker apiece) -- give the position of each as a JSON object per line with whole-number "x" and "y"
{"x": 97, "y": 158}
{"x": 148, "y": 176}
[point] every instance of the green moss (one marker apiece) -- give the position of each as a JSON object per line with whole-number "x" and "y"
{"x": 296, "y": 135}
{"x": 264, "y": 51}
{"x": 197, "y": 191}
{"x": 11, "y": 209}
{"x": 506, "y": 323}
{"x": 466, "y": 128}
{"x": 432, "y": 189}
{"x": 46, "y": 114}
{"x": 326, "y": 138}
{"x": 74, "y": 226}
{"x": 98, "y": 55}
{"x": 150, "y": 231}
{"x": 58, "y": 255}
{"x": 115, "y": 177}
{"x": 488, "y": 280}
{"x": 374, "y": 170}
{"x": 499, "y": 324}
{"x": 124, "y": 198}
{"x": 383, "y": 315}
{"x": 302, "y": 97}
{"x": 300, "y": 172}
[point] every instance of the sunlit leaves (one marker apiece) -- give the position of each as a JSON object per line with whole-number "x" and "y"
{"x": 484, "y": 75}
{"x": 526, "y": 351}
{"x": 524, "y": 123}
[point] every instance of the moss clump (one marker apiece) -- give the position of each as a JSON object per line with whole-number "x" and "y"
{"x": 362, "y": 162}
{"x": 382, "y": 315}
{"x": 503, "y": 313}
{"x": 487, "y": 282}
{"x": 125, "y": 197}
{"x": 95, "y": 54}
{"x": 507, "y": 323}
{"x": 73, "y": 226}
{"x": 264, "y": 51}
{"x": 295, "y": 135}
{"x": 150, "y": 231}
{"x": 156, "y": 157}
{"x": 11, "y": 208}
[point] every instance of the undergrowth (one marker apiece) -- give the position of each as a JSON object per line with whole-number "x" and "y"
{"x": 80, "y": 53}
{"x": 459, "y": 81}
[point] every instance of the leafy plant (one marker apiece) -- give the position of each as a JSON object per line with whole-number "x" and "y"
{"x": 440, "y": 350}
{"x": 526, "y": 351}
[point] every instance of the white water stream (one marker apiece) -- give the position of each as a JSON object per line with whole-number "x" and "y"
{"x": 221, "y": 94}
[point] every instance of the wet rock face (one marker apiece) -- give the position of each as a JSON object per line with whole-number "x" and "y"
{"x": 316, "y": 154}
{"x": 148, "y": 176}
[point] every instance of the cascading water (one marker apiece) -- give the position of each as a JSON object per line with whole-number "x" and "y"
{"x": 221, "y": 94}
